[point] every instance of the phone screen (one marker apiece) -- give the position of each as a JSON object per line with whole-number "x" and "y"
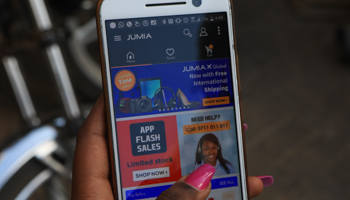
{"x": 187, "y": 120}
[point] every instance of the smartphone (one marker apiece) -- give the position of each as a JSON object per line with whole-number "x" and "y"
{"x": 172, "y": 64}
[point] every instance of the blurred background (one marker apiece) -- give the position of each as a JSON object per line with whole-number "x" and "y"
{"x": 295, "y": 80}
{"x": 294, "y": 58}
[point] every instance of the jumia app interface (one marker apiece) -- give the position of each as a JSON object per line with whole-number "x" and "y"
{"x": 173, "y": 102}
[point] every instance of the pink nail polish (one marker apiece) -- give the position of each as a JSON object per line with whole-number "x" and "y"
{"x": 245, "y": 127}
{"x": 201, "y": 177}
{"x": 267, "y": 180}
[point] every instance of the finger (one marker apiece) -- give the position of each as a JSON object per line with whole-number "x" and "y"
{"x": 91, "y": 166}
{"x": 267, "y": 180}
{"x": 255, "y": 186}
{"x": 195, "y": 186}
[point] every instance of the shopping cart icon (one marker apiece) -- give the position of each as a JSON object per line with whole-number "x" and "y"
{"x": 209, "y": 50}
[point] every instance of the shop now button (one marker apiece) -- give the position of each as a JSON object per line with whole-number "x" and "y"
{"x": 151, "y": 174}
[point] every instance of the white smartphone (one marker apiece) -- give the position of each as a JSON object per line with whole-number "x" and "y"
{"x": 171, "y": 85}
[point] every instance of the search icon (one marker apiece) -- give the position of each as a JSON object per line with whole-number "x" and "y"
{"x": 187, "y": 32}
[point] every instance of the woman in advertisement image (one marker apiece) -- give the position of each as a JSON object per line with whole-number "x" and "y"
{"x": 209, "y": 152}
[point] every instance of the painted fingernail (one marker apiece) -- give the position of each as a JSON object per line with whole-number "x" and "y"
{"x": 201, "y": 177}
{"x": 245, "y": 127}
{"x": 267, "y": 180}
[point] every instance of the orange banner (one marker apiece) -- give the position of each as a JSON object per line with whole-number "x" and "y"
{"x": 206, "y": 127}
{"x": 216, "y": 101}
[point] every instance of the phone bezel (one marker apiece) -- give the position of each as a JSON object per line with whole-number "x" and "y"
{"x": 120, "y": 9}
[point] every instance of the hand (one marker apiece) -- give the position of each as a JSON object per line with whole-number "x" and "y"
{"x": 91, "y": 166}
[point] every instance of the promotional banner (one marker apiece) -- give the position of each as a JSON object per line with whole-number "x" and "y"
{"x": 215, "y": 127}
{"x": 172, "y": 87}
{"x": 149, "y": 151}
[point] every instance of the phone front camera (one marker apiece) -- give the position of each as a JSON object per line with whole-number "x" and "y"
{"x": 197, "y": 3}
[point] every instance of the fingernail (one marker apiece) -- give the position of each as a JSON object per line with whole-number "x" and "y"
{"x": 201, "y": 177}
{"x": 245, "y": 127}
{"x": 267, "y": 180}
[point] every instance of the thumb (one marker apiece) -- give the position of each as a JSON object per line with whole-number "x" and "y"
{"x": 197, "y": 185}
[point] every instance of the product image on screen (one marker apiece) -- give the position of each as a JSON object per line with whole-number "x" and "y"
{"x": 149, "y": 87}
{"x": 174, "y": 107}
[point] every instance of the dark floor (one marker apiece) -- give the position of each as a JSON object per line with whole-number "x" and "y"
{"x": 296, "y": 94}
